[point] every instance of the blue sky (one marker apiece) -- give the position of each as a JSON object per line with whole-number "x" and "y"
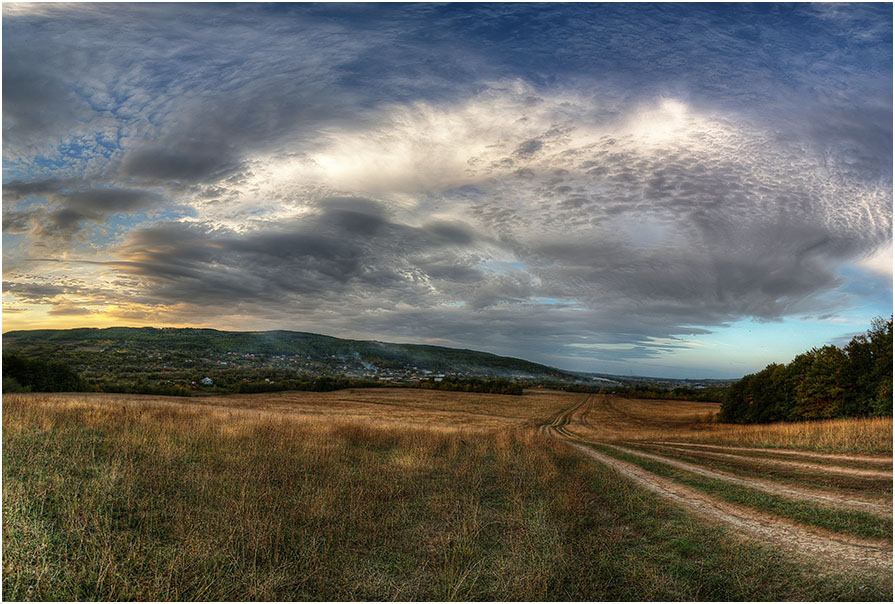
{"x": 685, "y": 190}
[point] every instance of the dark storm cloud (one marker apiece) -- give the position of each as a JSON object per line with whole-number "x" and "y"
{"x": 35, "y": 292}
{"x": 350, "y": 248}
{"x": 528, "y": 148}
{"x": 860, "y": 137}
{"x": 68, "y": 208}
{"x": 450, "y": 232}
{"x": 17, "y": 190}
{"x": 542, "y": 332}
{"x": 187, "y": 165}
{"x": 700, "y": 285}
{"x": 37, "y": 105}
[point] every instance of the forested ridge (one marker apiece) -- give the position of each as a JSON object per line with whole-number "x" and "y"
{"x": 822, "y": 383}
{"x": 175, "y": 361}
{"x": 89, "y": 346}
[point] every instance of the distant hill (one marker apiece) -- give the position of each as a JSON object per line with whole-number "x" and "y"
{"x": 130, "y": 349}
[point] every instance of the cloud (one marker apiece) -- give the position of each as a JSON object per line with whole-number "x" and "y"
{"x": 34, "y": 292}
{"x": 191, "y": 165}
{"x": 670, "y": 217}
{"x": 69, "y": 310}
{"x": 879, "y": 261}
{"x": 37, "y": 107}
{"x": 351, "y": 247}
{"x": 553, "y": 180}
{"x": 68, "y": 208}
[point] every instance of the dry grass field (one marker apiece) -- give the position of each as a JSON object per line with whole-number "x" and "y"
{"x": 615, "y": 418}
{"x": 424, "y": 495}
{"x": 393, "y": 407}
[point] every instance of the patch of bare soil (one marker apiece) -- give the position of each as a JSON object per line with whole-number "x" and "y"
{"x": 836, "y": 550}
{"x": 869, "y": 459}
{"x": 800, "y": 465}
{"x": 824, "y": 497}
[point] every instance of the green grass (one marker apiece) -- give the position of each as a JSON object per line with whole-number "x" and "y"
{"x": 840, "y": 520}
{"x": 164, "y": 503}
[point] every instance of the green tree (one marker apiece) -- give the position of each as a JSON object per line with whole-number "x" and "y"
{"x": 820, "y": 394}
{"x": 21, "y": 374}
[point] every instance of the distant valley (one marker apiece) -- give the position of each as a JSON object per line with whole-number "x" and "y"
{"x": 179, "y": 359}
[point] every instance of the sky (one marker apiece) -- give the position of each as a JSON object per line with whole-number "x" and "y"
{"x": 680, "y": 190}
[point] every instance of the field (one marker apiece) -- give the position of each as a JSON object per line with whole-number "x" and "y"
{"x": 425, "y": 495}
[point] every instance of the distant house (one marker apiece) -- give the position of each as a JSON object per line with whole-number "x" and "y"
{"x": 206, "y": 381}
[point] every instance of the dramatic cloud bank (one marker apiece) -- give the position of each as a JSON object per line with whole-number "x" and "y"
{"x": 602, "y": 187}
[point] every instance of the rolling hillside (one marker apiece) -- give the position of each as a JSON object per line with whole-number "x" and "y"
{"x": 129, "y": 349}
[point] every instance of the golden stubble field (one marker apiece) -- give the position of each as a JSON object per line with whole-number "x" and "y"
{"x": 394, "y": 408}
{"x": 414, "y": 494}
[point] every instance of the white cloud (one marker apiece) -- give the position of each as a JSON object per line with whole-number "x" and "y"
{"x": 880, "y": 261}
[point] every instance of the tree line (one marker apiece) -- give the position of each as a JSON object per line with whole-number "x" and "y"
{"x": 22, "y": 374}
{"x": 823, "y": 383}
{"x": 34, "y": 375}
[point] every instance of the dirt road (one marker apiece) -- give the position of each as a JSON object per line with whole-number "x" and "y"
{"x": 768, "y": 486}
{"x": 602, "y": 419}
{"x": 865, "y": 459}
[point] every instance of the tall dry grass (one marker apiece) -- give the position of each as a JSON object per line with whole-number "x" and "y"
{"x": 862, "y": 435}
{"x": 112, "y": 501}
{"x": 167, "y": 502}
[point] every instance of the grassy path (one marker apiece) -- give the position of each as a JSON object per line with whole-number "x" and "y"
{"x": 824, "y": 497}
{"x": 798, "y": 465}
{"x": 768, "y": 518}
{"x": 862, "y": 459}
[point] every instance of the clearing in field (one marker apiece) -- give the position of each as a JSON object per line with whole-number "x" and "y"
{"x": 426, "y": 495}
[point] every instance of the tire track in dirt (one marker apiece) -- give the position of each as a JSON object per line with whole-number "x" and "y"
{"x": 824, "y": 497}
{"x": 835, "y": 549}
{"x": 561, "y": 419}
{"x": 799, "y": 465}
{"x": 873, "y": 459}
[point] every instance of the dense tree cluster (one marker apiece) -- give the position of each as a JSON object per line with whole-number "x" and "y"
{"x": 710, "y": 394}
{"x": 33, "y": 375}
{"x": 823, "y": 383}
{"x": 714, "y": 394}
{"x": 496, "y": 386}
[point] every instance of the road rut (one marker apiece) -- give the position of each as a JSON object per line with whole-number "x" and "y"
{"x": 832, "y": 549}
{"x": 799, "y": 465}
{"x": 774, "y": 488}
{"x": 836, "y": 549}
{"x": 872, "y": 459}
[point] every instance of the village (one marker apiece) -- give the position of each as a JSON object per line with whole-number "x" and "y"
{"x": 353, "y": 368}
{"x": 212, "y": 372}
